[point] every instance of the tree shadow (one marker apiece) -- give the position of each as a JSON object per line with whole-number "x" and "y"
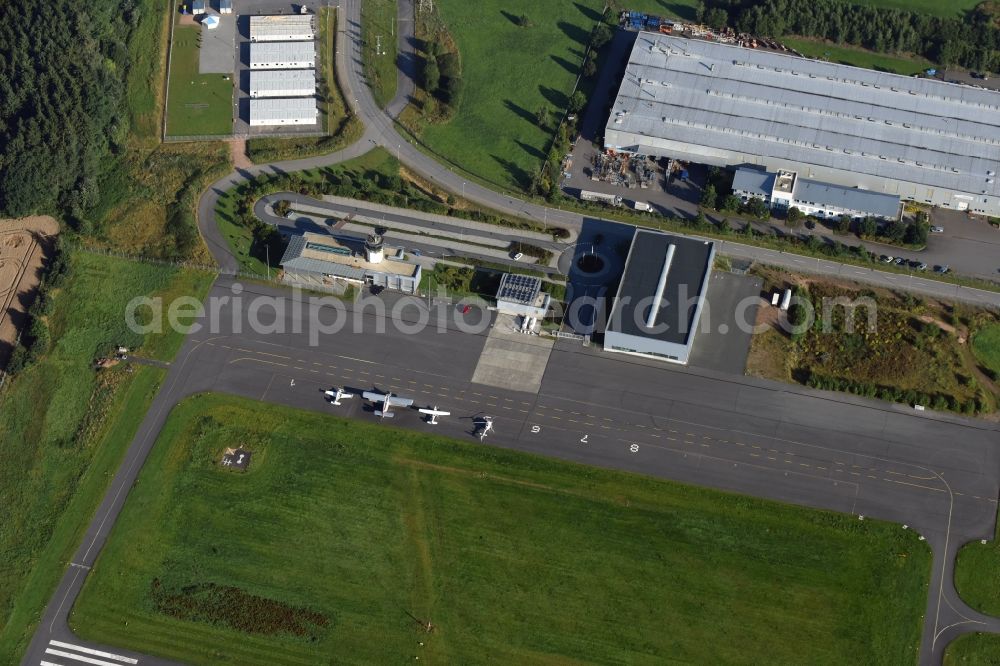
{"x": 574, "y": 32}
{"x": 531, "y": 150}
{"x": 591, "y": 14}
{"x": 513, "y": 18}
{"x": 555, "y": 97}
{"x": 565, "y": 64}
{"x": 521, "y": 111}
{"x": 519, "y": 175}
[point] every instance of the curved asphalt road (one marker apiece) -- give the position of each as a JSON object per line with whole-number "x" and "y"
{"x": 947, "y": 616}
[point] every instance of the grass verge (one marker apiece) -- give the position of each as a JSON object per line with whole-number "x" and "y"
{"x": 378, "y": 31}
{"x": 508, "y": 555}
{"x": 986, "y": 347}
{"x": 973, "y": 650}
{"x": 197, "y": 104}
{"x": 65, "y": 427}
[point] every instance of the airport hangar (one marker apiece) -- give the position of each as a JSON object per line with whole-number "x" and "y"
{"x": 661, "y": 296}
{"x": 711, "y": 103}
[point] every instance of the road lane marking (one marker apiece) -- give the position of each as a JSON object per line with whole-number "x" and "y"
{"x": 96, "y": 653}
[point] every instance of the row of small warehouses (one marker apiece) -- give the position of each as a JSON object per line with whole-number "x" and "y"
{"x": 282, "y": 70}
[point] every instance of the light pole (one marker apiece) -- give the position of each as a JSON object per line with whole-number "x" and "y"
{"x": 463, "y": 189}
{"x": 267, "y": 254}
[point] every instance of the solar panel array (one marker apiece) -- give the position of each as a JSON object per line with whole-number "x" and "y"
{"x": 519, "y": 288}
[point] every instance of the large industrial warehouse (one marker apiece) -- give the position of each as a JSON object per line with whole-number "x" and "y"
{"x": 283, "y": 111}
{"x": 711, "y": 103}
{"x": 284, "y": 28}
{"x": 283, "y": 55}
{"x": 278, "y": 83}
{"x": 660, "y": 298}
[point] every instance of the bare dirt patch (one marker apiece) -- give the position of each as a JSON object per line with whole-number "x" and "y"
{"x": 25, "y": 246}
{"x": 238, "y": 152}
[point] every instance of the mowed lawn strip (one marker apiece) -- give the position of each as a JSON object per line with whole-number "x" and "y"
{"x": 512, "y": 558}
{"x": 197, "y": 104}
{"x": 64, "y": 427}
{"x": 510, "y": 73}
{"x": 986, "y": 347}
{"x": 973, "y": 650}
{"x": 857, "y": 56}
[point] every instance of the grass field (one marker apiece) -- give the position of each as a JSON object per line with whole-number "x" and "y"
{"x": 977, "y": 575}
{"x": 147, "y": 64}
{"x": 495, "y": 134}
{"x": 342, "y": 128}
{"x": 986, "y": 346}
{"x": 64, "y": 428}
{"x": 973, "y": 650}
{"x": 346, "y": 537}
{"x": 197, "y": 105}
{"x": 858, "y": 57}
{"x": 377, "y": 21}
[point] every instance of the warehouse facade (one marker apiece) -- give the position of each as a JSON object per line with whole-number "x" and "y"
{"x": 286, "y": 28}
{"x": 711, "y": 103}
{"x": 661, "y": 296}
{"x": 278, "y": 83}
{"x": 784, "y": 189}
{"x": 282, "y": 55}
{"x": 283, "y": 111}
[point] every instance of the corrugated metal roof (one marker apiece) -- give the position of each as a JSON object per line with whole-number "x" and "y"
{"x": 283, "y": 83}
{"x": 282, "y": 52}
{"x": 784, "y": 107}
{"x": 302, "y": 109}
{"x": 753, "y": 181}
{"x": 285, "y": 27}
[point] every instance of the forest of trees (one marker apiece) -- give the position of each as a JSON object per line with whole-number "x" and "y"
{"x": 62, "y": 120}
{"x": 972, "y": 42}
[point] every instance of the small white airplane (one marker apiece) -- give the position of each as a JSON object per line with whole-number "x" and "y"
{"x": 387, "y": 401}
{"x": 338, "y": 395}
{"x": 433, "y": 414}
{"x": 486, "y": 427}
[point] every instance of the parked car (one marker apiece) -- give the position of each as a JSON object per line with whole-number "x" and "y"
{"x": 941, "y": 269}
{"x": 900, "y": 261}
{"x": 937, "y": 230}
{"x": 918, "y": 265}
{"x": 519, "y": 256}
{"x": 885, "y": 259}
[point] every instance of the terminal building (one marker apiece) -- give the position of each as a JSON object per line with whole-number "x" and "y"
{"x": 283, "y": 55}
{"x": 784, "y": 190}
{"x": 711, "y": 103}
{"x": 285, "y": 28}
{"x": 522, "y": 296}
{"x": 283, "y": 111}
{"x": 661, "y": 296}
{"x": 277, "y": 83}
{"x": 322, "y": 261}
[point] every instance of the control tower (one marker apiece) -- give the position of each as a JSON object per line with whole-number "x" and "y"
{"x": 374, "y": 253}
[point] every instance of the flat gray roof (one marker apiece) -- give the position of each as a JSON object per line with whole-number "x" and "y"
{"x": 689, "y": 265}
{"x": 754, "y": 181}
{"x": 849, "y": 198}
{"x": 784, "y": 107}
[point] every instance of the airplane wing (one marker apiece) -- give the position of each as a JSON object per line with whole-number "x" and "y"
{"x": 374, "y": 397}
{"x": 400, "y": 402}
{"x": 434, "y": 412}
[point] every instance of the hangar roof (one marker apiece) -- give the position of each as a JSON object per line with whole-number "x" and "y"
{"x": 810, "y": 111}
{"x": 686, "y": 268}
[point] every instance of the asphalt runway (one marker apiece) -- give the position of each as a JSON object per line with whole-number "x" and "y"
{"x": 935, "y": 473}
